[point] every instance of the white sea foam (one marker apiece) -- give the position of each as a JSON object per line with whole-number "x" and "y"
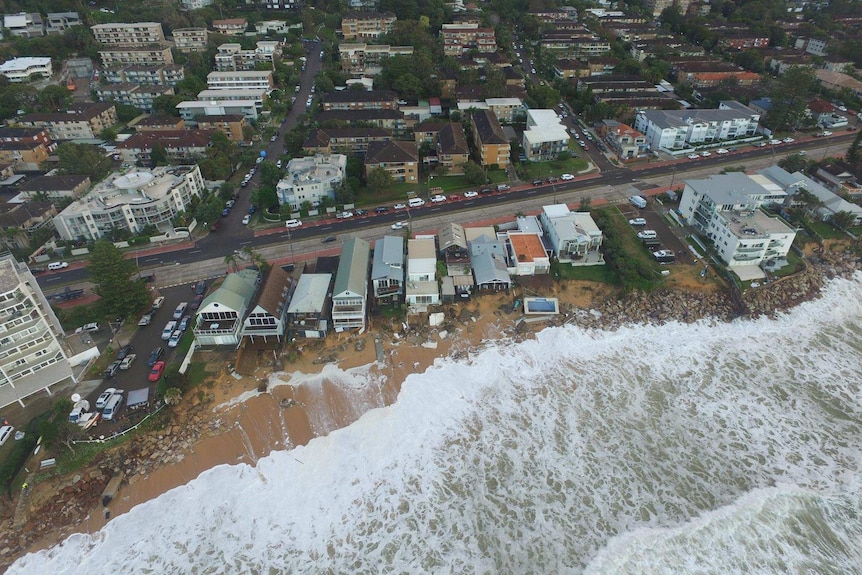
{"x": 705, "y": 448}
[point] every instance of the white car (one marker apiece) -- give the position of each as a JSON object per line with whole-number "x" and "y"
{"x": 398, "y": 225}
{"x": 438, "y": 199}
{"x": 128, "y": 361}
{"x": 705, "y": 154}
{"x": 693, "y": 156}
{"x": 292, "y": 224}
{"x": 5, "y": 432}
{"x": 774, "y": 142}
{"x": 89, "y": 328}
{"x": 399, "y": 206}
{"x": 637, "y": 222}
{"x": 825, "y": 133}
{"x": 174, "y": 340}
{"x": 760, "y": 144}
{"x": 344, "y": 215}
{"x": 105, "y": 397}
{"x": 246, "y": 219}
{"x": 582, "y": 143}
{"x": 274, "y": 138}
{"x": 722, "y": 151}
{"x": 471, "y": 194}
{"x": 788, "y": 140}
{"x": 567, "y": 177}
{"x": 278, "y": 164}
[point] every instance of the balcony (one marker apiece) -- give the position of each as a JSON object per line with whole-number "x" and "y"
{"x": 384, "y": 291}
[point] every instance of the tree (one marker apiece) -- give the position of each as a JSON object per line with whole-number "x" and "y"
{"x": 158, "y": 155}
{"x": 790, "y": 94}
{"x": 843, "y": 219}
{"x": 112, "y": 275}
{"x": 793, "y": 163}
{"x": 83, "y": 159}
{"x": 379, "y": 180}
{"x": 167, "y": 105}
{"x": 54, "y": 97}
{"x": 56, "y": 430}
{"x": 474, "y": 173}
{"x": 108, "y": 134}
{"x": 270, "y": 174}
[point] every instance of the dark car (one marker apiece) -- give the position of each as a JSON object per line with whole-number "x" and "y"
{"x": 225, "y": 212}
{"x": 327, "y": 239}
{"x": 112, "y": 369}
{"x": 149, "y": 278}
{"x": 200, "y": 288}
{"x": 486, "y": 191}
{"x": 360, "y": 212}
{"x": 37, "y": 271}
{"x": 154, "y": 356}
{"x": 381, "y": 210}
{"x": 538, "y": 182}
{"x": 196, "y": 303}
{"x": 124, "y": 351}
{"x": 252, "y": 209}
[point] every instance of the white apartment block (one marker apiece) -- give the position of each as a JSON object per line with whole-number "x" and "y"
{"x": 131, "y": 201}
{"x": 190, "y": 109}
{"x": 31, "y": 356}
{"x": 194, "y": 4}
{"x": 366, "y": 59}
{"x": 421, "y": 287}
{"x": 20, "y": 69}
{"x": 190, "y": 39}
{"x": 545, "y": 137}
{"x": 131, "y": 34}
{"x": 726, "y": 209}
{"x": 154, "y": 55}
{"x": 311, "y": 179}
{"x": 252, "y": 80}
{"x": 231, "y": 57}
{"x": 684, "y": 129}
{"x": 24, "y": 25}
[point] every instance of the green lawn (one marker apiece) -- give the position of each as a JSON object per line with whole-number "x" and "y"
{"x": 825, "y": 230}
{"x": 542, "y": 170}
{"x": 586, "y": 273}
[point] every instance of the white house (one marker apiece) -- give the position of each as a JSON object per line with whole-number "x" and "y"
{"x": 574, "y": 236}
{"x": 682, "y": 129}
{"x": 310, "y": 179}
{"x": 387, "y": 269}
{"x": 350, "y": 293}
{"x": 726, "y": 208}
{"x": 545, "y": 137}
{"x": 220, "y": 317}
{"x": 20, "y": 69}
{"x": 422, "y": 286}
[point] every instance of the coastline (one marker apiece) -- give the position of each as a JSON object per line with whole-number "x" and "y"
{"x": 336, "y": 381}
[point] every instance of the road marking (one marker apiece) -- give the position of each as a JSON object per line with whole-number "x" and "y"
{"x": 244, "y": 243}
{"x": 195, "y": 251}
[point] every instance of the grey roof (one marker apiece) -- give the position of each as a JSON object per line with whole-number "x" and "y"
{"x": 781, "y": 176}
{"x": 732, "y": 188}
{"x": 452, "y": 234}
{"x": 388, "y": 259}
{"x": 352, "y": 275}
{"x": 832, "y": 203}
{"x": 680, "y": 118}
{"x": 488, "y": 259}
{"x": 310, "y": 293}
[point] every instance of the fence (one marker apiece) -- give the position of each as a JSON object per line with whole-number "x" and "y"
{"x": 117, "y": 434}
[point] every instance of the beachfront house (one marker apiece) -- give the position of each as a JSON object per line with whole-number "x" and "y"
{"x": 488, "y": 259}
{"x": 527, "y": 254}
{"x": 387, "y": 270}
{"x": 574, "y": 237}
{"x": 422, "y": 286}
{"x": 307, "y": 313}
{"x": 265, "y": 323}
{"x": 350, "y": 294}
{"x": 220, "y": 317}
{"x": 453, "y": 249}
{"x": 830, "y": 203}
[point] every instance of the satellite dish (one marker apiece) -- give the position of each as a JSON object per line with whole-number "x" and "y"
{"x": 76, "y": 397}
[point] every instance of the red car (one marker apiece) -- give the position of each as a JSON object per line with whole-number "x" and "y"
{"x": 157, "y": 371}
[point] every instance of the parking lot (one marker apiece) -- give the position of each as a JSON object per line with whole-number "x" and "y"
{"x": 667, "y": 236}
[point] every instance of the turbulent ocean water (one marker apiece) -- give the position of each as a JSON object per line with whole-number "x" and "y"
{"x": 678, "y": 449}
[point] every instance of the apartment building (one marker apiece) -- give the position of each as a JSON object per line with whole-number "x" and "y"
{"x": 32, "y": 357}
{"x": 55, "y": 188}
{"x": 343, "y": 140}
{"x": 677, "y": 130}
{"x": 147, "y": 75}
{"x": 545, "y": 137}
{"x": 400, "y": 159}
{"x": 182, "y": 147}
{"x": 452, "y": 149}
{"x": 19, "y": 70}
{"x": 366, "y": 59}
{"x": 350, "y": 292}
{"x": 726, "y": 208}
{"x": 626, "y": 142}
{"x": 231, "y": 125}
{"x": 194, "y": 4}
{"x": 393, "y": 120}
{"x": 80, "y": 121}
{"x": 59, "y": 22}
{"x": 24, "y": 25}
{"x": 250, "y": 80}
{"x": 191, "y": 111}
{"x": 230, "y": 26}
{"x": 310, "y": 179}
{"x": 128, "y": 34}
{"x": 19, "y": 221}
{"x": 131, "y": 201}
{"x": 34, "y": 136}
{"x": 24, "y": 155}
{"x": 231, "y": 57}
{"x": 458, "y": 39}
{"x": 256, "y": 95}
{"x": 151, "y": 55}
{"x": 190, "y": 39}
{"x": 141, "y": 97}
{"x": 360, "y": 100}
{"x": 367, "y": 25}
{"x": 490, "y": 140}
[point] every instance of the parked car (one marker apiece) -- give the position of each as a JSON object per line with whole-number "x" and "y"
{"x": 196, "y": 303}
{"x": 567, "y": 177}
{"x": 5, "y": 432}
{"x": 112, "y": 369}
{"x": 693, "y": 157}
{"x": 154, "y": 356}
{"x": 471, "y": 194}
{"x": 105, "y": 397}
{"x": 157, "y": 303}
{"x": 344, "y": 215}
{"x": 274, "y": 138}
{"x": 252, "y": 209}
{"x": 128, "y": 361}
{"x": 225, "y": 212}
{"x": 184, "y": 323}
{"x": 486, "y": 191}
{"x": 360, "y": 212}
{"x": 146, "y": 319}
{"x": 327, "y": 239}
{"x": 538, "y": 182}
{"x": 168, "y": 330}
{"x": 174, "y": 340}
{"x": 88, "y": 328}
{"x": 705, "y": 154}
{"x": 788, "y": 140}
{"x": 637, "y": 222}
{"x": 399, "y": 206}
{"x": 722, "y": 151}
{"x": 246, "y": 219}
{"x": 293, "y": 224}
{"x": 125, "y": 350}
{"x": 157, "y": 371}
{"x": 381, "y": 209}
{"x": 438, "y": 199}
{"x": 398, "y": 225}
{"x": 774, "y": 142}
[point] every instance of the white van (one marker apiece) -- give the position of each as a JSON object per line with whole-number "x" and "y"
{"x": 416, "y": 202}
{"x": 181, "y": 309}
{"x": 647, "y": 235}
{"x": 169, "y": 329}
{"x": 113, "y": 407}
{"x": 57, "y": 265}
{"x": 638, "y": 201}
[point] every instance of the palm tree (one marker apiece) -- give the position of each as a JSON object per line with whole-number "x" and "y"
{"x": 230, "y": 260}
{"x": 254, "y": 257}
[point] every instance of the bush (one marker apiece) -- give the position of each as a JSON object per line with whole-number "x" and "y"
{"x": 21, "y": 451}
